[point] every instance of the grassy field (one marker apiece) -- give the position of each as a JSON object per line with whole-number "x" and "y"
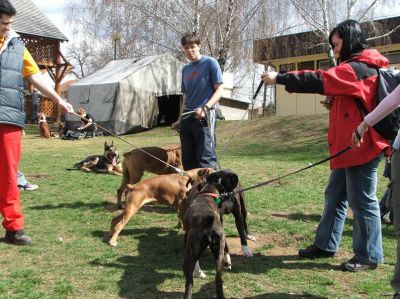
{"x": 69, "y": 216}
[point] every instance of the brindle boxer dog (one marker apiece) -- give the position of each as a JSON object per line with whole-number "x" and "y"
{"x": 203, "y": 228}
{"x": 44, "y": 130}
{"x": 169, "y": 189}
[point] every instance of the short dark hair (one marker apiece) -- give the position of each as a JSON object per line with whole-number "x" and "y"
{"x": 190, "y": 38}
{"x": 353, "y": 38}
{"x": 6, "y": 8}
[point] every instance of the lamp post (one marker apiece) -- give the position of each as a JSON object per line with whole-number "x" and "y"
{"x": 116, "y": 37}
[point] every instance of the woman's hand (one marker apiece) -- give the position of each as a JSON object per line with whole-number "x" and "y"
{"x": 356, "y": 137}
{"x": 269, "y": 77}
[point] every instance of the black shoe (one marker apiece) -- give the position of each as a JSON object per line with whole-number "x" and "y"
{"x": 313, "y": 252}
{"x": 17, "y": 237}
{"x": 354, "y": 265}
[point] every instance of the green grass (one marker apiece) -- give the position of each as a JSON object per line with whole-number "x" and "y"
{"x": 69, "y": 216}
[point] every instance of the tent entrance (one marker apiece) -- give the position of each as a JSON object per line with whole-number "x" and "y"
{"x": 169, "y": 108}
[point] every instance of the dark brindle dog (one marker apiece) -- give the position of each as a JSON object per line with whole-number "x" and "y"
{"x": 233, "y": 204}
{"x": 108, "y": 163}
{"x": 204, "y": 229}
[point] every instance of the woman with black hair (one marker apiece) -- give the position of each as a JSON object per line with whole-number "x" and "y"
{"x": 353, "y": 177}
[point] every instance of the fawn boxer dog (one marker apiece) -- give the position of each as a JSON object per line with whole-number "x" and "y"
{"x": 167, "y": 188}
{"x": 44, "y": 130}
{"x": 137, "y": 161}
{"x": 204, "y": 229}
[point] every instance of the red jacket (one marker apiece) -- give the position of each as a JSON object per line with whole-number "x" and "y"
{"x": 345, "y": 84}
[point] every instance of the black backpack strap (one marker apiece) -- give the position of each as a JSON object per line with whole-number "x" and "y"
{"x": 363, "y": 71}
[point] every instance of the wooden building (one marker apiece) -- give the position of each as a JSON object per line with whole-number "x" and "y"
{"x": 306, "y": 50}
{"x": 43, "y": 40}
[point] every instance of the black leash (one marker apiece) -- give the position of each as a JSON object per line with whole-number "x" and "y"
{"x": 286, "y": 175}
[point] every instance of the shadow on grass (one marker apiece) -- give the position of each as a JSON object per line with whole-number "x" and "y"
{"x": 158, "y": 258}
{"x": 72, "y": 205}
{"x": 284, "y": 296}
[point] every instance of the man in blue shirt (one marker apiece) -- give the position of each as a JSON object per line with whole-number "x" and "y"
{"x": 202, "y": 88}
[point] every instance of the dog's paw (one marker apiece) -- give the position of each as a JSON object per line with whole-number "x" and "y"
{"x": 251, "y": 238}
{"x": 113, "y": 243}
{"x": 198, "y": 272}
{"x": 246, "y": 251}
{"x": 227, "y": 261}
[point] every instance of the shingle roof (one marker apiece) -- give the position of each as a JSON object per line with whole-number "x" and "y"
{"x": 31, "y": 20}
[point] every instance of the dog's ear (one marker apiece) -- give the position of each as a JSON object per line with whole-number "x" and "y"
{"x": 233, "y": 181}
{"x": 105, "y": 144}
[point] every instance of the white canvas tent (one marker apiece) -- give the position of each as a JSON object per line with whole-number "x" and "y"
{"x": 123, "y": 96}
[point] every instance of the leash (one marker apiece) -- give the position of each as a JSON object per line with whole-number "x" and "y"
{"x": 288, "y": 174}
{"x": 180, "y": 171}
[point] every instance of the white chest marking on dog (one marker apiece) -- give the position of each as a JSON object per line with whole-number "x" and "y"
{"x": 246, "y": 251}
{"x": 198, "y": 272}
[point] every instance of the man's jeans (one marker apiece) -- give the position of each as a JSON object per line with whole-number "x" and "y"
{"x": 356, "y": 187}
{"x": 395, "y": 200}
{"x": 198, "y": 142}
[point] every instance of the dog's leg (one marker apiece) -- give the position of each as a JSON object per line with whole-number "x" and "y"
{"x": 243, "y": 212}
{"x": 118, "y": 223}
{"x": 218, "y": 247}
{"x": 240, "y": 227}
{"x": 188, "y": 267}
{"x": 124, "y": 183}
{"x": 197, "y": 272}
{"x": 227, "y": 257}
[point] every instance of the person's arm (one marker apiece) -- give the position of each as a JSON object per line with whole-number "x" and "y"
{"x": 386, "y": 106}
{"x": 219, "y": 89}
{"x": 84, "y": 125}
{"x": 38, "y": 81}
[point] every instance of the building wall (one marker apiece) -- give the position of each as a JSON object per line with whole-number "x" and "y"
{"x": 309, "y": 104}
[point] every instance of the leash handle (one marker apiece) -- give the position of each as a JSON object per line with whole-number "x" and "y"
{"x": 289, "y": 174}
{"x": 258, "y": 89}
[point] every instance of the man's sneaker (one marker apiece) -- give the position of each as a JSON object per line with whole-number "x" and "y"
{"x": 313, "y": 252}
{"x": 17, "y": 237}
{"x": 354, "y": 265}
{"x": 28, "y": 187}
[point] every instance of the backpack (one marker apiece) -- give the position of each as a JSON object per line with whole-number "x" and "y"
{"x": 388, "y": 81}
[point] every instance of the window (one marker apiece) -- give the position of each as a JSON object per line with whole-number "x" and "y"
{"x": 323, "y": 64}
{"x": 287, "y": 67}
{"x": 394, "y": 57}
{"x": 306, "y": 65}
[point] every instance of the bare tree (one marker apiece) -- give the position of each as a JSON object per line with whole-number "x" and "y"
{"x": 322, "y": 15}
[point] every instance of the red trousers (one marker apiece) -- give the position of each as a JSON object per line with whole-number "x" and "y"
{"x": 10, "y": 153}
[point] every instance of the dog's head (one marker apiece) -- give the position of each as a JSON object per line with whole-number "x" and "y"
{"x": 198, "y": 175}
{"x": 110, "y": 153}
{"x": 227, "y": 179}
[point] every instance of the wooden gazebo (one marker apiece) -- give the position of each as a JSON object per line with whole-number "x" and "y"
{"x": 43, "y": 40}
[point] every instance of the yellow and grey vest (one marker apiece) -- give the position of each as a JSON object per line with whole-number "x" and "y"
{"x": 12, "y": 103}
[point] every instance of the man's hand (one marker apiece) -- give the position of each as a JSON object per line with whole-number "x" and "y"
{"x": 269, "y": 77}
{"x": 176, "y": 125}
{"x": 200, "y": 113}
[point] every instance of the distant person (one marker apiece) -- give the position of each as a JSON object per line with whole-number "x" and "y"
{"x": 23, "y": 184}
{"x": 202, "y": 88}
{"x": 391, "y": 102}
{"x": 353, "y": 178}
{"x": 16, "y": 64}
{"x": 35, "y": 98}
{"x": 87, "y": 123}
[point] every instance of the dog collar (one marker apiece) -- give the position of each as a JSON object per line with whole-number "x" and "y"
{"x": 215, "y": 196}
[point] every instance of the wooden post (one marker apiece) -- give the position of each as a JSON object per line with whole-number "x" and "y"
{"x": 57, "y": 82}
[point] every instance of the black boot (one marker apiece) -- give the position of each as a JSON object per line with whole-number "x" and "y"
{"x": 313, "y": 252}
{"x": 17, "y": 237}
